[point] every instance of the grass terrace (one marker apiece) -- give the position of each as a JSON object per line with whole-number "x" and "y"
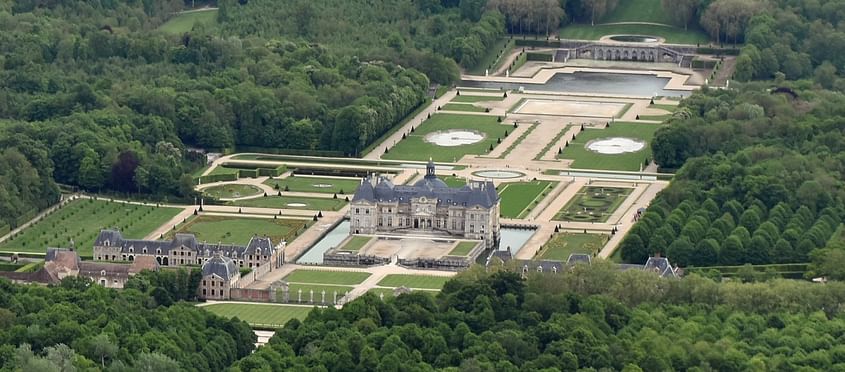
{"x": 260, "y": 314}
{"x": 238, "y": 230}
{"x": 463, "y": 248}
{"x": 638, "y": 11}
{"x": 185, "y": 22}
{"x": 326, "y": 277}
{"x": 415, "y": 147}
{"x": 629, "y": 161}
{"x": 414, "y": 281}
{"x": 494, "y": 56}
{"x": 561, "y": 245}
{"x": 231, "y": 191}
{"x": 292, "y": 202}
{"x": 465, "y": 107}
{"x": 82, "y": 220}
{"x": 466, "y": 98}
{"x": 453, "y": 181}
{"x": 593, "y": 204}
{"x": 356, "y": 243}
{"x": 519, "y": 198}
{"x": 326, "y": 185}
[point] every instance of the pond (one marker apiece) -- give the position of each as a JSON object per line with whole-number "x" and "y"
{"x": 634, "y": 39}
{"x": 592, "y": 82}
{"x": 513, "y": 238}
{"x": 314, "y": 255}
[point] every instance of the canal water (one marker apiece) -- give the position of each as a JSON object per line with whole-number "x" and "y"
{"x": 332, "y": 239}
{"x": 514, "y": 238}
{"x": 591, "y": 82}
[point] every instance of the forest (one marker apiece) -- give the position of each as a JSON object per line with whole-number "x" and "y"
{"x": 588, "y": 318}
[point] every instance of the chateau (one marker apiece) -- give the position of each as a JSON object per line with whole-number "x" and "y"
{"x": 429, "y": 207}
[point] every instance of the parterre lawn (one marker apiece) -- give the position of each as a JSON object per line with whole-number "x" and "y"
{"x": 185, "y": 22}
{"x": 260, "y": 314}
{"x": 326, "y": 185}
{"x": 466, "y": 107}
{"x": 82, "y": 220}
{"x": 326, "y": 277}
{"x": 414, "y": 281}
{"x": 562, "y": 245}
{"x": 599, "y": 202}
{"x": 231, "y": 191}
{"x": 465, "y": 98}
{"x": 414, "y": 147}
{"x": 238, "y": 230}
{"x": 630, "y": 161}
{"x": 517, "y": 197}
{"x": 453, "y": 181}
{"x": 356, "y": 243}
{"x": 672, "y": 35}
{"x": 284, "y": 202}
{"x": 463, "y": 248}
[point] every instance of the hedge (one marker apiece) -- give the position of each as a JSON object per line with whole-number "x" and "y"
{"x": 538, "y": 43}
{"x": 216, "y": 178}
{"x": 272, "y": 172}
{"x": 718, "y": 51}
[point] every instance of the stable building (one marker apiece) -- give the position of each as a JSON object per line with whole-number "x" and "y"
{"x": 429, "y": 208}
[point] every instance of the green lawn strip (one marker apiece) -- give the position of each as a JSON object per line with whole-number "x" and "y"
{"x": 453, "y": 181}
{"x": 463, "y": 248}
{"x": 601, "y": 206}
{"x": 439, "y": 92}
{"x": 326, "y": 277}
{"x": 414, "y": 281}
{"x": 292, "y": 202}
{"x": 388, "y": 292}
{"x": 232, "y": 190}
{"x": 520, "y": 60}
{"x": 660, "y": 118}
{"x": 638, "y": 11}
{"x": 551, "y": 143}
{"x": 315, "y": 184}
{"x": 518, "y": 196}
{"x": 356, "y": 243}
{"x": 562, "y": 245}
{"x": 466, "y": 107}
{"x": 260, "y": 314}
{"x": 82, "y": 220}
{"x": 238, "y": 230}
{"x": 623, "y": 110}
{"x": 293, "y": 291}
{"x": 671, "y": 34}
{"x": 495, "y": 53}
{"x": 465, "y": 98}
{"x": 199, "y": 171}
{"x": 518, "y": 140}
{"x": 670, "y": 108}
{"x": 185, "y": 22}
{"x": 631, "y": 161}
{"x": 222, "y": 170}
{"x": 414, "y": 147}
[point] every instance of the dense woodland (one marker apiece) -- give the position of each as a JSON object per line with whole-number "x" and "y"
{"x": 590, "y": 318}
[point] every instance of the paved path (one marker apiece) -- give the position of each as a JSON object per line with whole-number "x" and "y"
{"x": 625, "y": 225}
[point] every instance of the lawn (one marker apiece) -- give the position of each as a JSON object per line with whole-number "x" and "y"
{"x": 260, "y": 314}
{"x": 293, "y": 292}
{"x": 223, "y": 170}
{"x": 465, "y": 107}
{"x": 315, "y": 184}
{"x": 638, "y": 11}
{"x": 519, "y": 198}
{"x": 292, "y": 202}
{"x": 670, "y": 108}
{"x": 238, "y": 230}
{"x": 630, "y": 161}
{"x": 82, "y": 220}
{"x": 463, "y": 248}
{"x": 415, "y": 147}
{"x": 495, "y": 54}
{"x": 356, "y": 243}
{"x": 466, "y": 98}
{"x": 673, "y": 35}
{"x": 560, "y": 246}
{"x": 231, "y": 191}
{"x": 388, "y": 292}
{"x": 593, "y": 204}
{"x": 453, "y": 181}
{"x": 185, "y": 22}
{"x": 326, "y": 277}
{"x": 660, "y": 118}
{"x": 414, "y": 281}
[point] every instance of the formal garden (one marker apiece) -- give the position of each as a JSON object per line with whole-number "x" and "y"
{"x": 326, "y": 185}
{"x": 239, "y": 230}
{"x": 519, "y": 198}
{"x": 260, "y": 314}
{"x": 302, "y": 283}
{"x": 622, "y": 146}
{"x": 81, "y": 221}
{"x": 292, "y": 202}
{"x": 593, "y": 204}
{"x": 449, "y": 137}
{"x": 563, "y": 244}
{"x": 231, "y": 191}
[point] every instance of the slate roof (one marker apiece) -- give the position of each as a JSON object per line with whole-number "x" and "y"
{"x": 659, "y": 265}
{"x": 220, "y": 266}
{"x": 482, "y": 194}
{"x": 112, "y": 270}
{"x": 257, "y": 245}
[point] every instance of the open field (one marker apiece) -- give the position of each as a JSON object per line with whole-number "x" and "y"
{"x": 292, "y": 202}
{"x": 185, "y": 22}
{"x": 356, "y": 243}
{"x": 672, "y": 35}
{"x": 415, "y": 147}
{"x": 466, "y": 98}
{"x": 238, "y": 230}
{"x": 260, "y": 314}
{"x": 315, "y": 184}
{"x": 326, "y": 277}
{"x": 560, "y": 246}
{"x": 520, "y": 197}
{"x": 463, "y": 248}
{"x": 414, "y": 281}
{"x": 629, "y": 161}
{"x": 82, "y": 220}
{"x": 231, "y": 191}
{"x": 466, "y": 107}
{"x": 593, "y": 204}
{"x": 638, "y": 11}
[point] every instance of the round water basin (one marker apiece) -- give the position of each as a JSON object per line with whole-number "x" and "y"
{"x": 615, "y": 145}
{"x": 456, "y": 137}
{"x": 634, "y": 39}
{"x": 498, "y": 173}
